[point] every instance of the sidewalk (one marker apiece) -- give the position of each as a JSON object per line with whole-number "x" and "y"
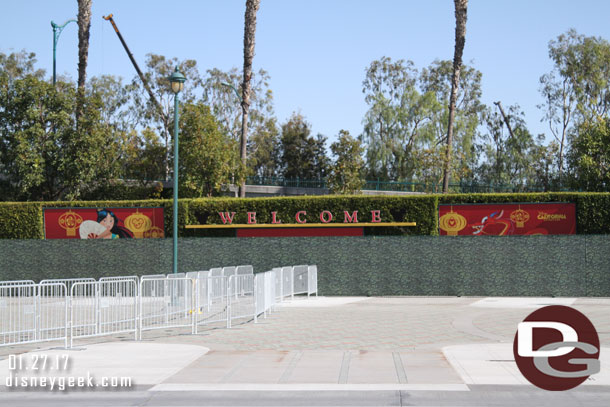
{"x": 442, "y": 344}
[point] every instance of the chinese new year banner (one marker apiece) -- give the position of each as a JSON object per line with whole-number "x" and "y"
{"x": 103, "y": 223}
{"x": 508, "y": 219}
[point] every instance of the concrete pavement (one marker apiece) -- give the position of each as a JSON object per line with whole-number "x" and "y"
{"x": 380, "y": 351}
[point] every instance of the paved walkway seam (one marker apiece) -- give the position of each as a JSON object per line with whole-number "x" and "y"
{"x": 290, "y": 368}
{"x": 345, "y": 367}
{"x": 400, "y": 369}
{"x": 230, "y": 373}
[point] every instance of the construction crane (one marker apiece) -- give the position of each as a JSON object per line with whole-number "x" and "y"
{"x": 135, "y": 65}
{"x": 162, "y": 114}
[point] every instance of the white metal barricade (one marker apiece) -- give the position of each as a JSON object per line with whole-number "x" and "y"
{"x": 287, "y": 282}
{"x": 241, "y": 296}
{"x": 244, "y": 270}
{"x": 216, "y": 272}
{"x": 312, "y": 277}
{"x": 300, "y": 280}
{"x": 278, "y": 284}
{"x": 18, "y": 322}
{"x": 259, "y": 295}
{"x": 149, "y": 276}
{"x": 47, "y": 311}
{"x": 67, "y": 281}
{"x": 203, "y": 291}
{"x": 83, "y": 310}
{"x": 270, "y": 295}
{"x": 166, "y": 303}
{"x": 135, "y": 279}
{"x": 16, "y": 282}
{"x": 116, "y": 278}
{"x": 52, "y": 313}
{"x": 103, "y": 308}
{"x": 229, "y": 271}
{"x": 217, "y": 304}
{"x": 264, "y": 284}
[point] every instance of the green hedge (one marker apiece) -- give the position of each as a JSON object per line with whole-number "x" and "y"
{"x": 420, "y": 209}
{"x": 23, "y": 220}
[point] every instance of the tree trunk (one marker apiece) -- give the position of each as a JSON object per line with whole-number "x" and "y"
{"x": 84, "y": 25}
{"x": 460, "y": 38}
{"x": 249, "y": 34}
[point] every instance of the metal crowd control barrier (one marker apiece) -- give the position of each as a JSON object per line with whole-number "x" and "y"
{"x": 264, "y": 300}
{"x": 33, "y": 313}
{"x": 166, "y": 303}
{"x": 135, "y": 279}
{"x": 68, "y": 282}
{"x": 50, "y": 310}
{"x": 229, "y": 271}
{"x": 103, "y": 308}
{"x": 300, "y": 280}
{"x": 117, "y": 278}
{"x": 287, "y": 282}
{"x": 278, "y": 284}
{"x": 270, "y": 295}
{"x": 17, "y": 282}
{"x": 240, "y": 291}
{"x": 216, "y": 306}
{"x": 312, "y": 277}
{"x": 52, "y": 313}
{"x": 216, "y": 272}
{"x": 244, "y": 270}
{"x": 149, "y": 276}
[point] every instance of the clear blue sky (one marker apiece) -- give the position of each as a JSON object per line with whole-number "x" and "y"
{"x": 315, "y": 51}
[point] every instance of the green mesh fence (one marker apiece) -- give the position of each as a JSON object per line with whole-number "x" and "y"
{"x": 577, "y": 265}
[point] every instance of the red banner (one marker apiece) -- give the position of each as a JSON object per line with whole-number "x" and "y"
{"x": 508, "y": 219}
{"x": 106, "y": 223}
{"x": 299, "y": 232}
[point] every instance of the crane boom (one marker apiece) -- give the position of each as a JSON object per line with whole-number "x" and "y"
{"x": 510, "y": 130}
{"x": 135, "y": 65}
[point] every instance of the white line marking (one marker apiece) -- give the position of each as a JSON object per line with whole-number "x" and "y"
{"x": 308, "y": 387}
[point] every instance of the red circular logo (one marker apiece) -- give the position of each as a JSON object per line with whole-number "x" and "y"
{"x": 556, "y": 348}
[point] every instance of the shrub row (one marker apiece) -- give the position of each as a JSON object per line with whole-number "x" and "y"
{"x": 24, "y": 220}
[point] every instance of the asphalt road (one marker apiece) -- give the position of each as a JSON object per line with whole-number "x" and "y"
{"x": 509, "y": 396}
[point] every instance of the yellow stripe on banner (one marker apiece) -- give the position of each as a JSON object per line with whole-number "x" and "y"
{"x": 300, "y": 225}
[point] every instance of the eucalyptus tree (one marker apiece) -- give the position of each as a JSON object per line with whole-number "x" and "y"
{"x": 577, "y": 90}
{"x": 437, "y": 79}
{"x": 225, "y": 104}
{"x": 395, "y": 123}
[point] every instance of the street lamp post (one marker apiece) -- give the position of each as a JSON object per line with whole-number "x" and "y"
{"x": 177, "y": 81}
{"x": 234, "y": 90}
{"x": 57, "y": 29}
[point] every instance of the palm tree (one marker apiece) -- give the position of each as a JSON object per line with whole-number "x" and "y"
{"x": 84, "y": 25}
{"x": 460, "y": 38}
{"x": 249, "y": 33}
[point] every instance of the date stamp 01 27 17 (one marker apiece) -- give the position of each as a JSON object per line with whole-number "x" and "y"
{"x": 38, "y": 363}
{"x": 44, "y": 371}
